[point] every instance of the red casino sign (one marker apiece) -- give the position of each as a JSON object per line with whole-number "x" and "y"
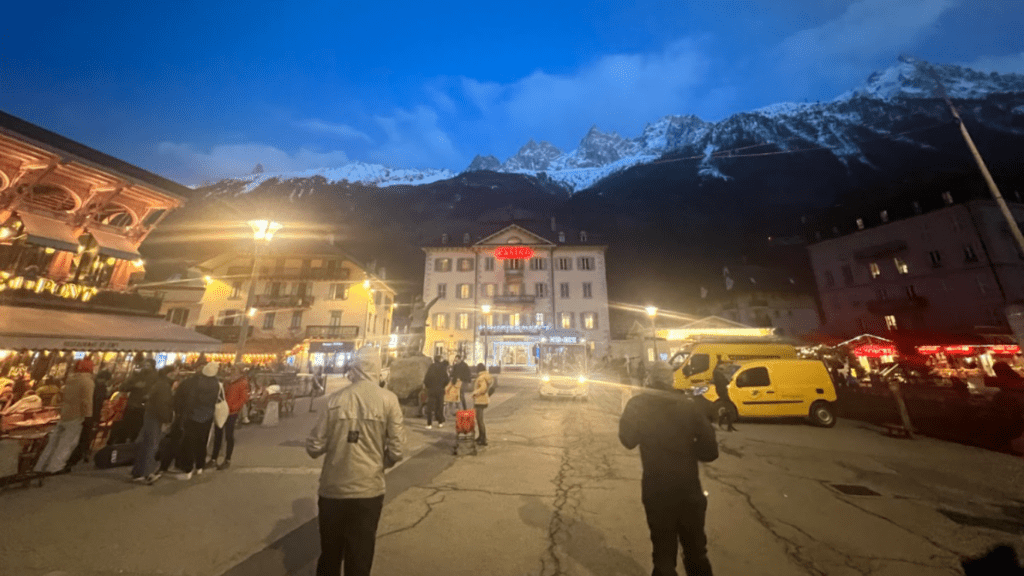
{"x": 874, "y": 351}
{"x": 513, "y": 252}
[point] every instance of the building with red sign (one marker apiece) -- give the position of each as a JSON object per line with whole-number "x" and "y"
{"x": 500, "y": 294}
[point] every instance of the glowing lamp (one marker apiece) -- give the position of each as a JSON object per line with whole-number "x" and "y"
{"x": 139, "y": 262}
{"x": 263, "y": 229}
{"x": 513, "y": 252}
{"x": 485, "y": 308}
{"x": 6, "y": 233}
{"x": 652, "y": 311}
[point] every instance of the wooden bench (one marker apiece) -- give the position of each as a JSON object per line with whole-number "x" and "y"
{"x": 896, "y": 431}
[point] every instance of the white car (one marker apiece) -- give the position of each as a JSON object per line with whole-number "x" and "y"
{"x": 564, "y": 386}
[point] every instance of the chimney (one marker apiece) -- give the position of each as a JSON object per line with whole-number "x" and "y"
{"x": 553, "y": 227}
{"x": 383, "y": 273}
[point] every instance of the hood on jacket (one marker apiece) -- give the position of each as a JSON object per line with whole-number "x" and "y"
{"x": 365, "y": 366}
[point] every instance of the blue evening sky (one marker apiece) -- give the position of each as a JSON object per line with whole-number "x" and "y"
{"x": 198, "y": 90}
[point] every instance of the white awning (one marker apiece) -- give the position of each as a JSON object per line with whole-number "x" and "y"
{"x": 43, "y": 329}
{"x": 111, "y": 244}
{"x": 49, "y": 232}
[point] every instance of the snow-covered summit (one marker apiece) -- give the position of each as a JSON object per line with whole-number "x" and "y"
{"x": 355, "y": 172}
{"x": 913, "y": 78}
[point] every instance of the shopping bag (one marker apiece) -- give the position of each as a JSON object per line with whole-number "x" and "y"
{"x": 465, "y": 421}
{"x": 220, "y": 410}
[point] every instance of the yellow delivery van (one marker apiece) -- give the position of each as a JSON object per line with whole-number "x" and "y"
{"x": 779, "y": 389}
{"x": 693, "y": 367}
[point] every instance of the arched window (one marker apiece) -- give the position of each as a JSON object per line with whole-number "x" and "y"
{"x": 51, "y": 198}
{"x": 444, "y": 238}
{"x": 115, "y": 215}
{"x": 465, "y": 238}
{"x": 583, "y": 235}
{"x": 561, "y": 236}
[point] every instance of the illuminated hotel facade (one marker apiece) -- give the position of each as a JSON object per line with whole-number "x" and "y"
{"x": 501, "y": 295}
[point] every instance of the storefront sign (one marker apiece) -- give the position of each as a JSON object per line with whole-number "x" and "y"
{"x": 90, "y": 345}
{"x": 562, "y": 339}
{"x": 963, "y": 350}
{"x": 498, "y": 330}
{"x": 874, "y": 351}
{"x": 513, "y": 252}
{"x": 929, "y": 349}
{"x": 1009, "y": 349}
{"x": 330, "y": 347}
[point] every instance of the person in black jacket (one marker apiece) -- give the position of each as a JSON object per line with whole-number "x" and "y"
{"x": 435, "y": 380}
{"x": 462, "y": 376}
{"x": 137, "y": 387}
{"x": 201, "y": 398}
{"x": 727, "y": 409}
{"x": 673, "y": 436}
{"x": 159, "y": 413}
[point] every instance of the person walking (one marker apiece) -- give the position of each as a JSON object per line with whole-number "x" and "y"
{"x": 481, "y": 399}
{"x": 237, "y": 394}
{"x": 673, "y": 436}
{"x": 76, "y": 406}
{"x": 464, "y": 379}
{"x": 360, "y": 434}
{"x": 159, "y": 413}
{"x": 202, "y": 397}
{"x": 727, "y": 410}
{"x": 435, "y": 381}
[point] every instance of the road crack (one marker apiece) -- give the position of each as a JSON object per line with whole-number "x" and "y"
{"x": 433, "y": 499}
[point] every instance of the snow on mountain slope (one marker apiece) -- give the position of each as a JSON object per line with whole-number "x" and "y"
{"x": 356, "y": 172}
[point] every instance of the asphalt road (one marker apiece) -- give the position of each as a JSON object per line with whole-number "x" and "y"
{"x": 554, "y": 494}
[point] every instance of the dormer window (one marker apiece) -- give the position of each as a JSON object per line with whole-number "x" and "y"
{"x": 917, "y": 207}
{"x": 583, "y": 235}
{"x": 947, "y": 198}
{"x": 561, "y": 237}
{"x": 444, "y": 238}
{"x": 884, "y": 215}
{"x": 860, "y": 223}
{"x": 465, "y": 238}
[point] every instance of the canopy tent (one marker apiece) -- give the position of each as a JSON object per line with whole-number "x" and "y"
{"x": 110, "y": 244}
{"x": 49, "y": 232}
{"x": 42, "y": 329}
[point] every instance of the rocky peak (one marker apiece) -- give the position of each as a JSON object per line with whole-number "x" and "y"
{"x": 533, "y": 156}
{"x": 598, "y": 149}
{"x": 913, "y": 78}
{"x": 480, "y": 163}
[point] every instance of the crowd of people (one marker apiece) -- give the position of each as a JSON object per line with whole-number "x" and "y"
{"x": 452, "y": 387}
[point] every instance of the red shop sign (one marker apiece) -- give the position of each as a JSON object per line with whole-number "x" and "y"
{"x": 513, "y": 252}
{"x": 962, "y": 349}
{"x": 875, "y": 351}
{"x": 1006, "y": 349}
{"x": 929, "y": 349}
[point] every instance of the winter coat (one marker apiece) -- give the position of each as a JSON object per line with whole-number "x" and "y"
{"x": 461, "y": 373}
{"x": 481, "y": 397}
{"x": 673, "y": 435}
{"x": 160, "y": 402}
{"x": 138, "y": 387}
{"x": 452, "y": 392}
{"x": 436, "y": 378}
{"x": 77, "y": 403}
{"x": 360, "y": 433}
{"x": 237, "y": 394}
{"x": 203, "y": 397}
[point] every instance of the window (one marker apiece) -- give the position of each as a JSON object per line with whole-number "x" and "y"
{"x": 338, "y": 292}
{"x": 538, "y": 319}
{"x": 565, "y": 263}
{"x": 514, "y": 264}
{"x": 513, "y": 289}
{"x": 589, "y": 320}
{"x": 583, "y": 235}
{"x": 236, "y": 290}
{"x": 273, "y": 288}
{"x": 514, "y": 318}
{"x": 464, "y": 291}
{"x": 465, "y": 238}
{"x": 490, "y": 290}
{"x": 875, "y": 270}
{"x": 378, "y": 298}
{"x": 228, "y": 317}
{"x": 936, "y": 257}
{"x": 565, "y": 319}
{"x": 860, "y": 223}
{"x": 587, "y": 290}
{"x": 890, "y": 322}
{"x": 881, "y": 294}
{"x": 336, "y": 317}
{"x": 911, "y": 291}
{"x": 848, "y": 275}
{"x": 268, "y": 320}
{"x": 561, "y": 237}
{"x": 969, "y": 254}
{"x": 947, "y": 198}
{"x": 901, "y": 266}
{"x": 464, "y": 321}
{"x": 541, "y": 290}
{"x": 440, "y": 321}
{"x": 442, "y": 291}
{"x": 371, "y": 323}
{"x": 585, "y": 263}
{"x": 563, "y": 289}
{"x": 465, "y": 264}
{"x": 489, "y": 264}
{"x": 296, "y": 320}
{"x": 443, "y": 265}
{"x": 830, "y": 280}
{"x": 489, "y": 319}
{"x": 299, "y": 289}
{"x": 753, "y": 378}
{"x": 538, "y": 264}
{"x": 884, "y": 215}
{"x": 177, "y": 316}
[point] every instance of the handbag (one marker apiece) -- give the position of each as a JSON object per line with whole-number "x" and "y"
{"x": 221, "y": 410}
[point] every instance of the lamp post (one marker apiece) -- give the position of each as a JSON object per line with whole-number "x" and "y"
{"x": 366, "y": 319}
{"x": 652, "y": 313}
{"x": 262, "y": 232}
{"x": 486, "y": 309}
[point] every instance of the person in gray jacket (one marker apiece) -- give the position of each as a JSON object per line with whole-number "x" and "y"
{"x": 360, "y": 433}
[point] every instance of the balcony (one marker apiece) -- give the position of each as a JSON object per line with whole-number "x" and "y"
{"x": 78, "y": 298}
{"x": 226, "y": 334}
{"x": 332, "y": 332}
{"x": 515, "y": 299}
{"x": 305, "y": 273}
{"x": 269, "y": 302}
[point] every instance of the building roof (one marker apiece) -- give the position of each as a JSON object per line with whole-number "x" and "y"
{"x": 26, "y": 131}
{"x": 481, "y": 232}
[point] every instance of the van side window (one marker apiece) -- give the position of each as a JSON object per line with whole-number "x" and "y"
{"x": 699, "y": 363}
{"x": 752, "y": 378}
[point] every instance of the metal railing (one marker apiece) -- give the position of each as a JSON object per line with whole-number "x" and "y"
{"x": 267, "y": 301}
{"x": 332, "y": 332}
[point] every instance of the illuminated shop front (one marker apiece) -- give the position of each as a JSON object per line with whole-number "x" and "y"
{"x": 525, "y": 348}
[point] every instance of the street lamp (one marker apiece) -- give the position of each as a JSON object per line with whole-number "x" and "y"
{"x": 486, "y": 309}
{"x": 262, "y": 232}
{"x": 652, "y": 313}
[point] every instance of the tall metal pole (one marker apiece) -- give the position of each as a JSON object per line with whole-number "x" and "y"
{"x": 1014, "y": 229}
{"x": 249, "y": 297}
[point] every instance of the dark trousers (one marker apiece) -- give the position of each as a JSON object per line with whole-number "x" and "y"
{"x": 676, "y": 521}
{"x": 193, "y": 445}
{"x": 348, "y": 533}
{"x": 479, "y": 409}
{"x": 128, "y": 427}
{"x": 228, "y": 432}
{"x": 149, "y": 443}
{"x": 84, "y": 448}
{"x": 170, "y": 446}
{"x": 435, "y": 407}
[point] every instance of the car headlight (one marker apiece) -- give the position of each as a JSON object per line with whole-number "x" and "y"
{"x": 581, "y": 379}
{"x": 545, "y": 378}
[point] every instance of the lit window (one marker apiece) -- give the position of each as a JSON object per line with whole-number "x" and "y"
{"x": 489, "y": 319}
{"x": 565, "y": 319}
{"x": 465, "y": 264}
{"x": 875, "y": 270}
{"x": 513, "y": 319}
{"x": 890, "y": 322}
{"x": 465, "y": 291}
{"x": 860, "y": 223}
{"x": 464, "y": 321}
{"x": 440, "y": 321}
{"x": 589, "y": 320}
{"x": 901, "y": 266}
{"x": 490, "y": 290}
{"x": 539, "y": 319}
{"x": 443, "y": 265}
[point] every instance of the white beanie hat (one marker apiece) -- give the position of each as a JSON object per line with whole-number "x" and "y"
{"x": 211, "y": 368}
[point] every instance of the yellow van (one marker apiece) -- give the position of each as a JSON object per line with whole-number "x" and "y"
{"x": 694, "y": 366}
{"x": 779, "y": 389}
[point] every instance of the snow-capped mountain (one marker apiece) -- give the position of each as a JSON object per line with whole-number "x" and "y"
{"x": 360, "y": 172}
{"x": 869, "y": 112}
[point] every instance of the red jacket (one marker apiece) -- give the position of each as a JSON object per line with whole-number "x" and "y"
{"x": 237, "y": 394}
